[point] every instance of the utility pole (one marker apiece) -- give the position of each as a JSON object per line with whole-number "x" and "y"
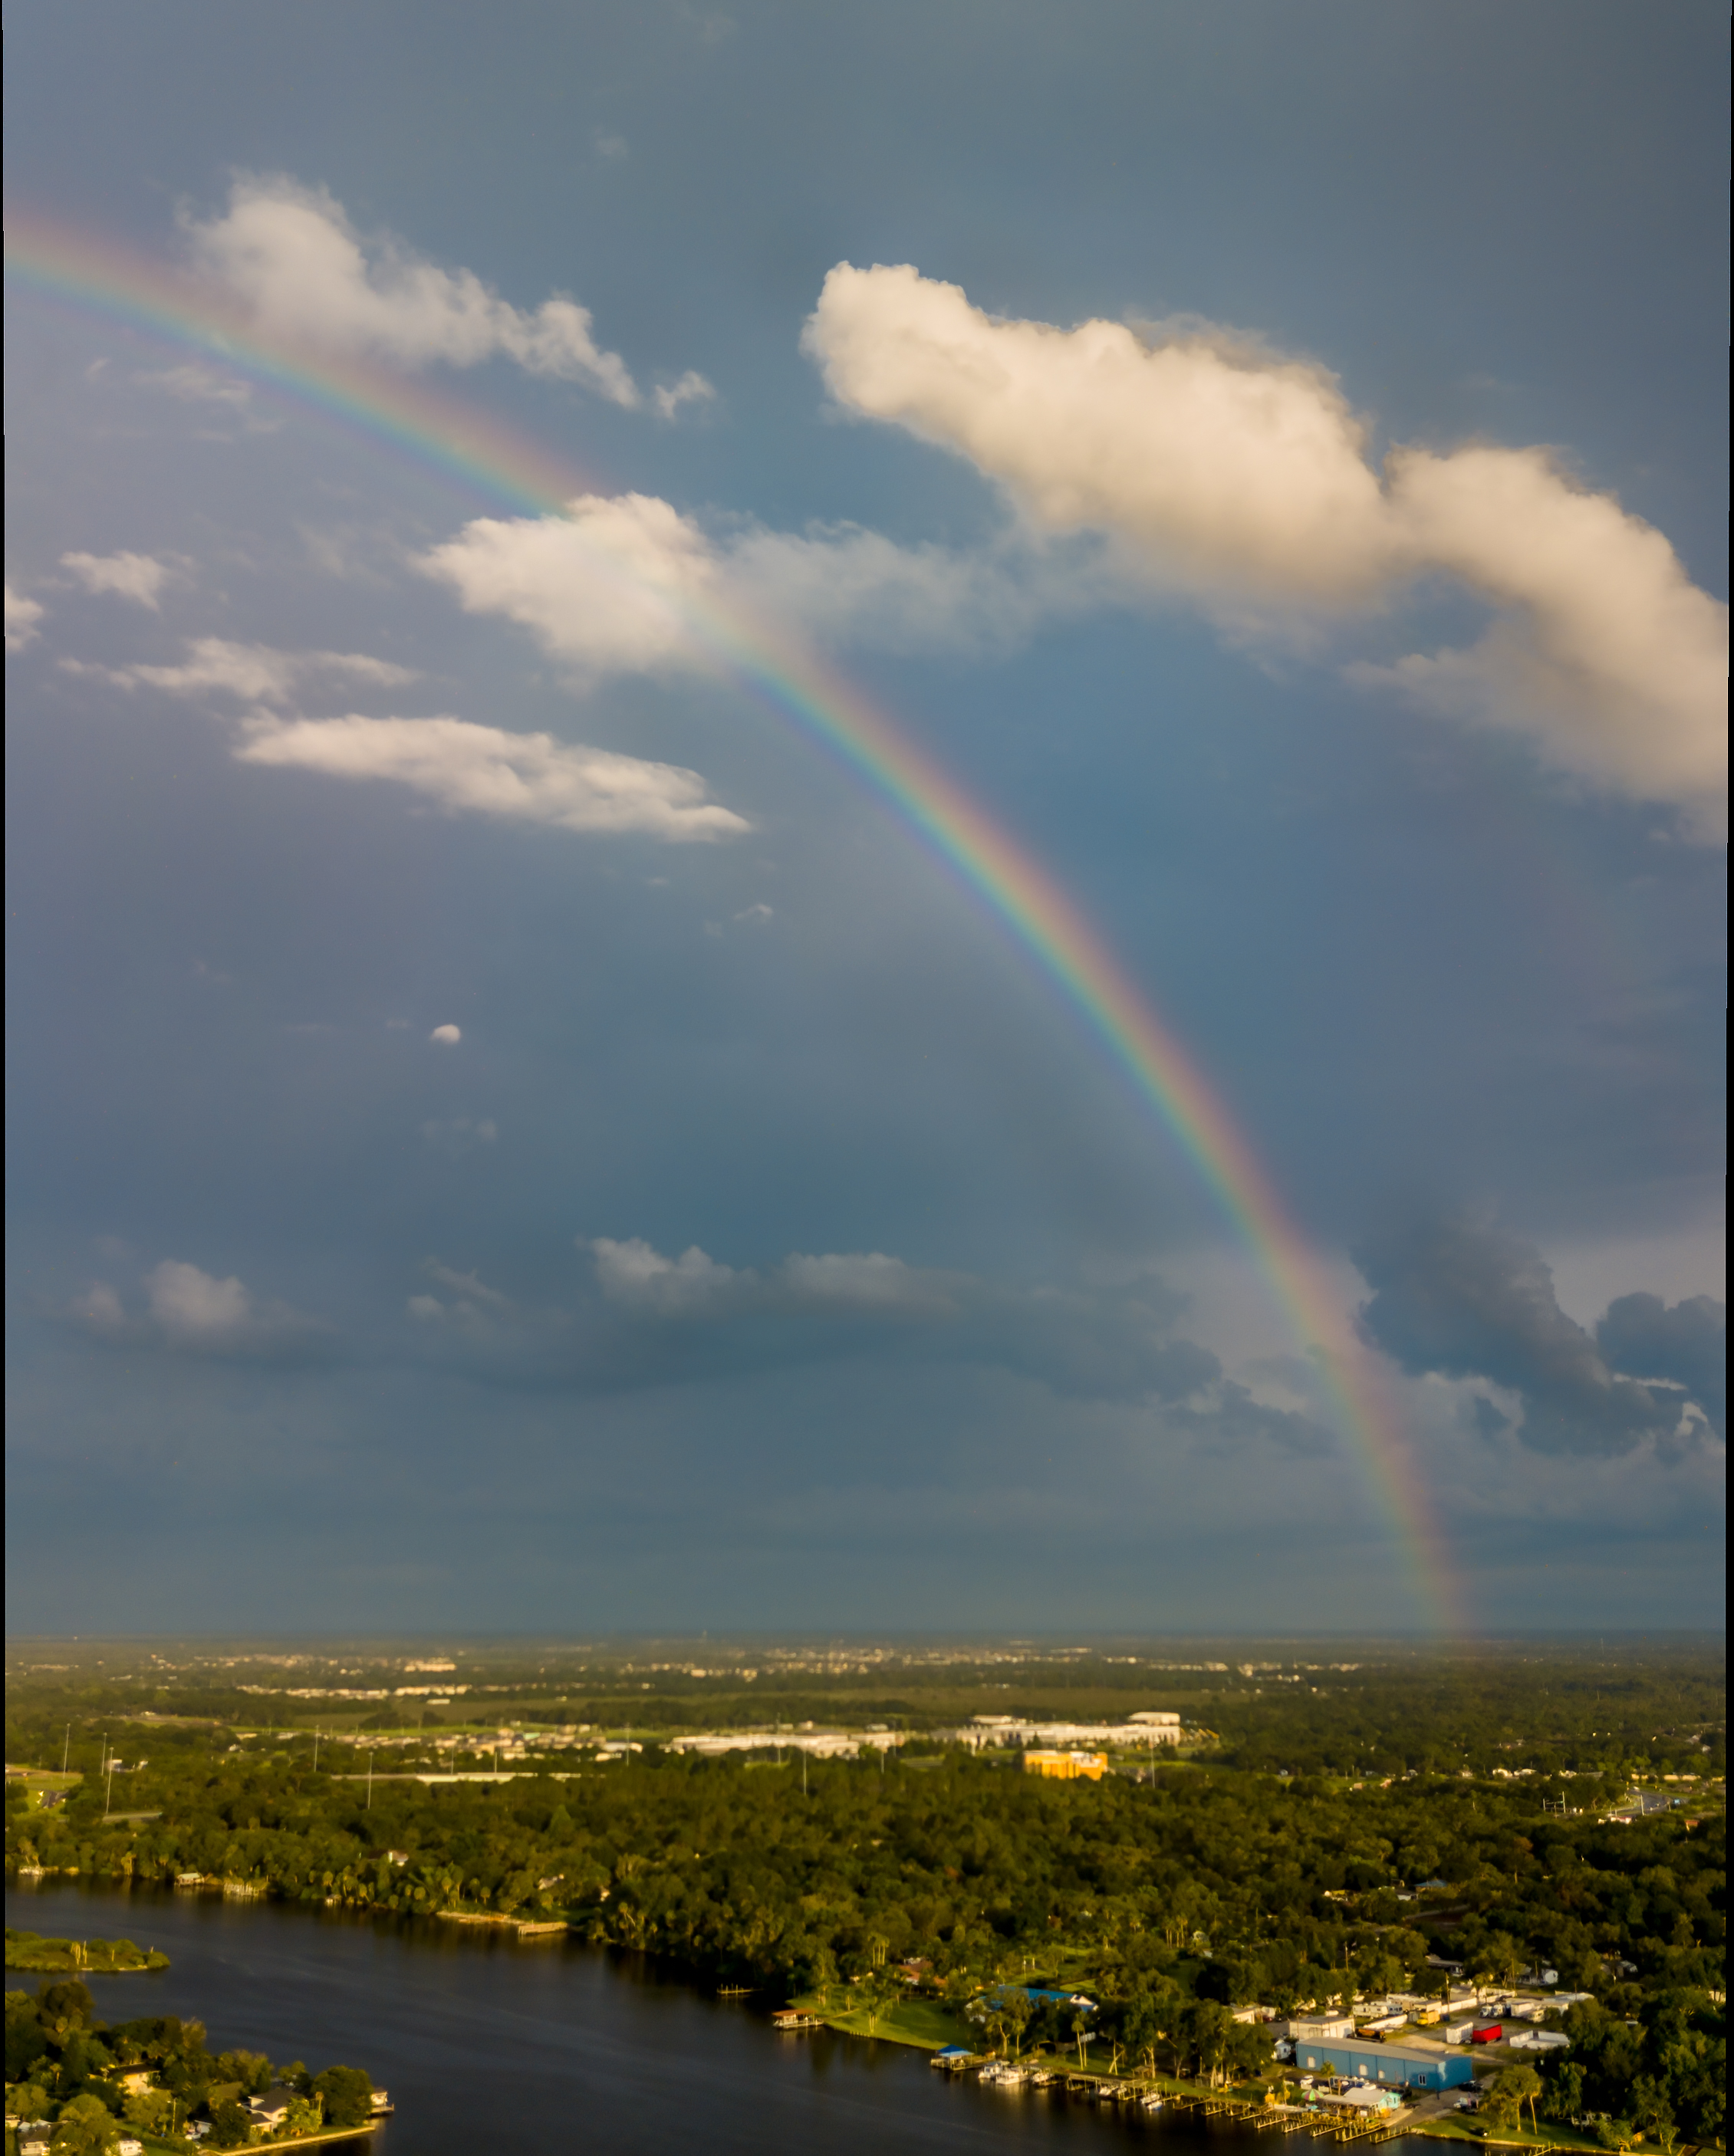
{"x": 316, "y": 1751}
{"x": 66, "y": 1748}
{"x": 370, "y": 1778}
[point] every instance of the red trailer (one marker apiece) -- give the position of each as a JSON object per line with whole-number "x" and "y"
{"x": 1487, "y": 2032}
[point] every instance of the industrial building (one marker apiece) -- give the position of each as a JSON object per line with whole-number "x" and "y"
{"x": 1067, "y": 1766}
{"x": 1395, "y": 2066}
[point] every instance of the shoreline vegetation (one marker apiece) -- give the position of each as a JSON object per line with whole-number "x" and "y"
{"x": 80, "y": 2086}
{"x": 30, "y": 1953}
{"x": 1532, "y": 1839}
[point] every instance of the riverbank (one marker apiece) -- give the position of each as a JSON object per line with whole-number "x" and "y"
{"x": 328, "y": 2137}
{"x": 485, "y": 2044}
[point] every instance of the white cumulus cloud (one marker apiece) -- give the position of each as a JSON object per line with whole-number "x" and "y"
{"x": 252, "y": 673}
{"x": 1244, "y": 476}
{"x": 634, "y": 1273}
{"x": 619, "y": 584}
{"x": 23, "y": 620}
{"x": 448, "y": 1036}
{"x": 139, "y": 577}
{"x": 289, "y": 255}
{"x": 625, "y": 583}
{"x": 525, "y": 778}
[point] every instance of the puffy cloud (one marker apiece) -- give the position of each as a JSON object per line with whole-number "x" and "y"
{"x": 251, "y": 673}
{"x": 1459, "y": 1300}
{"x": 1222, "y": 465}
{"x": 529, "y": 778}
{"x": 289, "y": 256}
{"x": 189, "y": 1311}
{"x": 1244, "y": 476}
{"x": 24, "y": 620}
{"x": 619, "y": 585}
{"x": 626, "y": 584}
{"x": 634, "y": 1274}
{"x": 448, "y": 1036}
{"x": 139, "y": 577}
{"x": 692, "y": 388}
{"x": 1608, "y": 657}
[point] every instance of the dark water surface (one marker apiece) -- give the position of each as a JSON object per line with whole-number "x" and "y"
{"x": 488, "y": 2044}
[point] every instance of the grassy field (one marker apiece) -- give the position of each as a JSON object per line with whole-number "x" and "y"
{"x": 40, "y": 1782}
{"x": 924, "y": 2023}
{"x": 1450, "y": 2128}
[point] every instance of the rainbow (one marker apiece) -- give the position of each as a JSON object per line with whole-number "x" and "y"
{"x": 54, "y": 260}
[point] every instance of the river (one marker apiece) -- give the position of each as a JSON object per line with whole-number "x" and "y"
{"x": 488, "y": 2044}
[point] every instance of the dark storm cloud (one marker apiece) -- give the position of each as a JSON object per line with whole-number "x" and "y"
{"x": 650, "y": 1320}
{"x": 1460, "y": 1300}
{"x": 1687, "y": 1344}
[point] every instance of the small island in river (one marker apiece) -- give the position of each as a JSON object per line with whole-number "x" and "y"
{"x": 29, "y": 1950}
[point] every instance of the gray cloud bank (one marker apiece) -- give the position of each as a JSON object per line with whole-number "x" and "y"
{"x": 1457, "y": 1300}
{"x": 649, "y": 1319}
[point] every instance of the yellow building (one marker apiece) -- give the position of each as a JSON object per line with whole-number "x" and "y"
{"x": 1067, "y": 1766}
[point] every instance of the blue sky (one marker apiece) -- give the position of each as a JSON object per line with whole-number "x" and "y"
{"x": 1273, "y": 459}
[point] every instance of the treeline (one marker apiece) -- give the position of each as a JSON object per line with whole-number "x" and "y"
{"x": 1577, "y": 1712}
{"x": 962, "y": 1862}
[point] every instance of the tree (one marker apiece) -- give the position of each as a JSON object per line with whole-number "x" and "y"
{"x": 875, "y": 1995}
{"x": 63, "y": 2009}
{"x": 1248, "y": 2050}
{"x": 1015, "y": 2007}
{"x": 1523, "y": 2084}
{"x": 151, "y": 2111}
{"x": 348, "y": 2095}
{"x": 1143, "y": 2025}
{"x": 1653, "y": 2112}
{"x": 84, "y": 2127}
{"x": 230, "y": 2126}
{"x": 1565, "y": 2091}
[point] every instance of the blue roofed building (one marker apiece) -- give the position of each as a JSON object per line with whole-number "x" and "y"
{"x": 1395, "y": 2066}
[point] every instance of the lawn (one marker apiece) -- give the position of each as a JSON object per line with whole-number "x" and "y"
{"x": 926, "y": 2023}
{"x": 1451, "y": 2127}
{"x": 42, "y": 1781}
